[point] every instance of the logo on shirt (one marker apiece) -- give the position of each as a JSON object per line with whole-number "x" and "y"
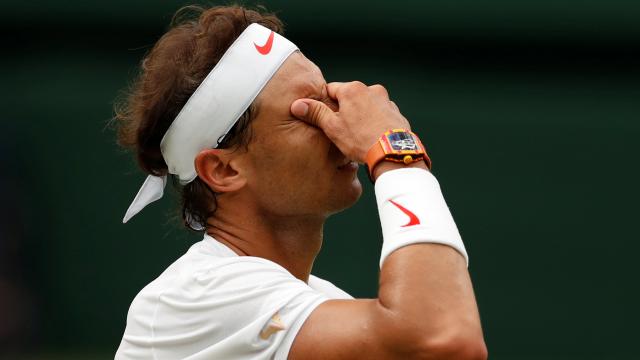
{"x": 266, "y": 48}
{"x": 413, "y": 219}
{"x": 273, "y": 326}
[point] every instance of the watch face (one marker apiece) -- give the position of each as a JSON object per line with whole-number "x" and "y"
{"x": 402, "y": 141}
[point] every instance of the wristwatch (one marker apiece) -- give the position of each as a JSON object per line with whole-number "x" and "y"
{"x": 399, "y": 146}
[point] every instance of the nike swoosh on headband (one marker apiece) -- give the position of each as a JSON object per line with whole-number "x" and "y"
{"x": 413, "y": 219}
{"x": 266, "y": 48}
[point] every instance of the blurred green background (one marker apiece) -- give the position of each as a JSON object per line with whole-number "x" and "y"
{"x": 529, "y": 109}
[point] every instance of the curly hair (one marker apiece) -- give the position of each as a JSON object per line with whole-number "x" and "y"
{"x": 169, "y": 73}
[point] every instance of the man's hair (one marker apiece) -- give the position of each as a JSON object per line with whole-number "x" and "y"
{"x": 169, "y": 74}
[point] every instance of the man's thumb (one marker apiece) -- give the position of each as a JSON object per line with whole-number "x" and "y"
{"x": 312, "y": 111}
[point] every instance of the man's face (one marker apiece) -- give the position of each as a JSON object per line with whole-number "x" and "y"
{"x": 293, "y": 168}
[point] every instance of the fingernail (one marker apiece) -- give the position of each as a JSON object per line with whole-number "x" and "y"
{"x": 299, "y": 108}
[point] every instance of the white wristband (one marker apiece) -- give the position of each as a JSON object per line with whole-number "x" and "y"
{"x": 412, "y": 210}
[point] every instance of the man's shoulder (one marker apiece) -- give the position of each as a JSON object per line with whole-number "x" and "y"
{"x": 327, "y": 288}
{"x": 211, "y": 272}
{"x": 242, "y": 285}
{"x": 216, "y": 271}
{"x": 219, "y": 305}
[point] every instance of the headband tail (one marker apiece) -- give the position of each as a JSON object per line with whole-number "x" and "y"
{"x": 151, "y": 190}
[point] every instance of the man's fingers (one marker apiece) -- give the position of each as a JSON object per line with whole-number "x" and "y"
{"x": 313, "y": 112}
{"x": 332, "y": 89}
{"x": 380, "y": 90}
{"x": 346, "y": 89}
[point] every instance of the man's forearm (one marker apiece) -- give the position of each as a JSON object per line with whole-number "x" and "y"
{"x": 426, "y": 286}
{"x": 427, "y": 289}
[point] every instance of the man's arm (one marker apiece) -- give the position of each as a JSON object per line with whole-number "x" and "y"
{"x": 425, "y": 308}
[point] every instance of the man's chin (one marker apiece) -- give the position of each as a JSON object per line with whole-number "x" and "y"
{"x": 347, "y": 198}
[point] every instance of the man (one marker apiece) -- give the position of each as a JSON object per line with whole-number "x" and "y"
{"x": 245, "y": 291}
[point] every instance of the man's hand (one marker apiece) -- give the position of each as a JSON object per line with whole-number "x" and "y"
{"x": 364, "y": 114}
{"x": 425, "y": 308}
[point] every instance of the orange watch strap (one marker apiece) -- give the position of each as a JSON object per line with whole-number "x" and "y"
{"x": 375, "y": 155}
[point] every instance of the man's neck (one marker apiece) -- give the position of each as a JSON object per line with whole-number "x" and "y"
{"x": 292, "y": 242}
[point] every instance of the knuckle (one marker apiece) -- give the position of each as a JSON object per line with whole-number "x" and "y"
{"x": 379, "y": 89}
{"x": 358, "y": 85}
{"x": 354, "y": 88}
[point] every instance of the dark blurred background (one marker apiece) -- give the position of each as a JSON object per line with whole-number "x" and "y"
{"x": 529, "y": 109}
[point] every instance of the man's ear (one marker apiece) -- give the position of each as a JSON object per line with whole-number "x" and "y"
{"x": 216, "y": 168}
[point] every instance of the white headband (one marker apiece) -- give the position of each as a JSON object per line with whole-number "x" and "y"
{"x": 216, "y": 105}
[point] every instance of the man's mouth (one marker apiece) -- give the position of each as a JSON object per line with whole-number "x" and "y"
{"x": 347, "y": 164}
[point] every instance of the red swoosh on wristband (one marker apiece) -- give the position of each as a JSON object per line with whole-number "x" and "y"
{"x": 413, "y": 219}
{"x": 266, "y": 48}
